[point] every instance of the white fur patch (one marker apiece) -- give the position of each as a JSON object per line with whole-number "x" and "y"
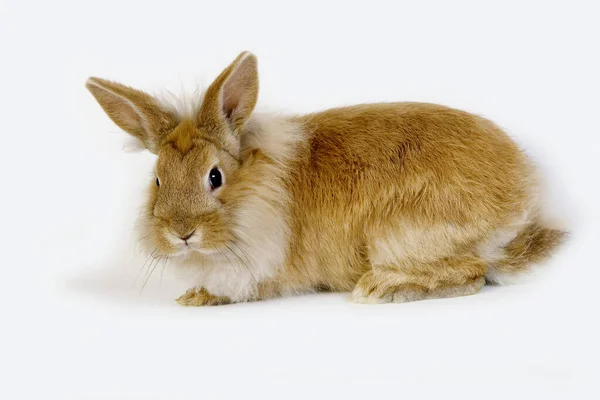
{"x": 526, "y": 275}
{"x": 223, "y": 275}
{"x": 133, "y": 145}
{"x": 492, "y": 250}
{"x": 184, "y": 106}
{"x": 277, "y": 136}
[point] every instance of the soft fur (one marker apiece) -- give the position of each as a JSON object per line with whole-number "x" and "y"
{"x": 394, "y": 202}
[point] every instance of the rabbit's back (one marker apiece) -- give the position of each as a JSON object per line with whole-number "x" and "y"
{"x": 421, "y": 159}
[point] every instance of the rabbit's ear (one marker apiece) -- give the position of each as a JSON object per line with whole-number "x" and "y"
{"x": 233, "y": 95}
{"x": 134, "y": 111}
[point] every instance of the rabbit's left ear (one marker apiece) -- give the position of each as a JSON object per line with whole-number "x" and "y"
{"x": 136, "y": 112}
{"x": 232, "y": 96}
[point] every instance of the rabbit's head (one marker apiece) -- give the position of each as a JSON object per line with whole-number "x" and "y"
{"x": 189, "y": 206}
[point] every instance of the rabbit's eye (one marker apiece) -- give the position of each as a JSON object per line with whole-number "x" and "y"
{"x": 215, "y": 178}
{"x": 157, "y": 182}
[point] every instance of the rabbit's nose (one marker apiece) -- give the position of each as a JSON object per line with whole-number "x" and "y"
{"x": 186, "y": 237}
{"x": 184, "y": 229}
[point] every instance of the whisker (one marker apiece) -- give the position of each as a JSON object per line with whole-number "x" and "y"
{"x": 157, "y": 259}
{"x": 144, "y": 264}
{"x": 238, "y": 239}
{"x": 229, "y": 261}
{"x": 248, "y": 259}
{"x": 143, "y": 237}
{"x": 164, "y": 266}
{"x": 243, "y": 262}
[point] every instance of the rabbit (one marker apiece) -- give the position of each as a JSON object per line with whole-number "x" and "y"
{"x": 394, "y": 202}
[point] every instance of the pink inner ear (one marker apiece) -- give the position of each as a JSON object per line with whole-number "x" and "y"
{"x": 238, "y": 88}
{"x": 131, "y": 117}
{"x": 118, "y": 108}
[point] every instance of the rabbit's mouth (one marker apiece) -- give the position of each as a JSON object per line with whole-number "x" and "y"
{"x": 185, "y": 246}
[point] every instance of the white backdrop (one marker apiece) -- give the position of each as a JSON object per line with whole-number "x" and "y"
{"x": 75, "y": 324}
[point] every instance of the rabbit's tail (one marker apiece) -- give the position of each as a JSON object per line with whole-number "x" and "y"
{"x": 533, "y": 244}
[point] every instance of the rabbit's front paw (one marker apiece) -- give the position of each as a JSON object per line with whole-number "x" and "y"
{"x": 200, "y": 297}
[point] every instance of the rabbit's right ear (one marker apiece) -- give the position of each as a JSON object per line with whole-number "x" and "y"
{"x": 134, "y": 111}
{"x": 232, "y": 96}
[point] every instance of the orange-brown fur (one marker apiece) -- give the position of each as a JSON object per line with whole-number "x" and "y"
{"x": 394, "y": 201}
